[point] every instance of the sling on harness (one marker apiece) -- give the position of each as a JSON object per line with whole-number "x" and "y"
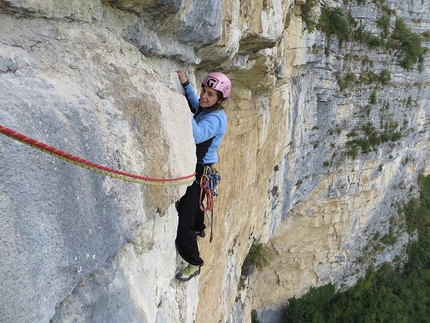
{"x": 209, "y": 184}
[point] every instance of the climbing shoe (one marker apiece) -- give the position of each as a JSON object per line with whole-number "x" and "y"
{"x": 201, "y": 233}
{"x": 189, "y": 272}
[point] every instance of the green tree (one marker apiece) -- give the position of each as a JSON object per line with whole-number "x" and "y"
{"x": 307, "y": 14}
{"x": 372, "y": 97}
{"x": 385, "y": 76}
{"x": 333, "y": 22}
{"x": 408, "y": 44}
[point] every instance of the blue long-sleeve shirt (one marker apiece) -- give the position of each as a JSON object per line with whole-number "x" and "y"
{"x": 209, "y": 126}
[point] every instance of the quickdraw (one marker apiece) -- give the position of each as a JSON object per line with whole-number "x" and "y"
{"x": 209, "y": 184}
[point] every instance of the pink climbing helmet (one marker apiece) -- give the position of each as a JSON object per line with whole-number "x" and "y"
{"x": 218, "y": 81}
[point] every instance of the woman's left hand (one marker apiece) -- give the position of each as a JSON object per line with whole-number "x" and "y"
{"x": 182, "y": 76}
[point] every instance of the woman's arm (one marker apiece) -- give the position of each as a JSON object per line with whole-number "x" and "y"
{"x": 212, "y": 125}
{"x": 190, "y": 94}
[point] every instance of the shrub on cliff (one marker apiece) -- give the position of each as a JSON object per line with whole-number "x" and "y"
{"x": 308, "y": 14}
{"x": 333, "y": 22}
{"x": 408, "y": 45}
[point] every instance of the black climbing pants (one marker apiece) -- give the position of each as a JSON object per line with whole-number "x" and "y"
{"x": 191, "y": 219}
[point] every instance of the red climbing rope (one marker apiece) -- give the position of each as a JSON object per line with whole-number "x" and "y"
{"x": 209, "y": 183}
{"x": 93, "y": 166}
{"x": 205, "y": 192}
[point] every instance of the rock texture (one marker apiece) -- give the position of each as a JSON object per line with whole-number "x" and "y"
{"x": 97, "y": 79}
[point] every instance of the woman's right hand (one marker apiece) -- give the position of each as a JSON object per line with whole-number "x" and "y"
{"x": 182, "y": 77}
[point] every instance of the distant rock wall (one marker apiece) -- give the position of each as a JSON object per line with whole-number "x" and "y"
{"x": 330, "y": 212}
{"x": 97, "y": 79}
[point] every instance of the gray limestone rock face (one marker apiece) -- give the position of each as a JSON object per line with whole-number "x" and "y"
{"x": 103, "y": 297}
{"x": 203, "y": 22}
{"x": 80, "y": 89}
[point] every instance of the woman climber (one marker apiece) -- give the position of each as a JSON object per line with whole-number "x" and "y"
{"x": 209, "y": 125}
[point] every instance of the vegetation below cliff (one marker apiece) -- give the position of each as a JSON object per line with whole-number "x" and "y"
{"x": 385, "y": 295}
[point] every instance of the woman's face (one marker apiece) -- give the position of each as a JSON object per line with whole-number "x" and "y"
{"x": 208, "y": 97}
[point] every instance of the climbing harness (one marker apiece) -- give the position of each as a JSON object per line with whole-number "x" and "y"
{"x": 209, "y": 184}
{"x": 93, "y": 166}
